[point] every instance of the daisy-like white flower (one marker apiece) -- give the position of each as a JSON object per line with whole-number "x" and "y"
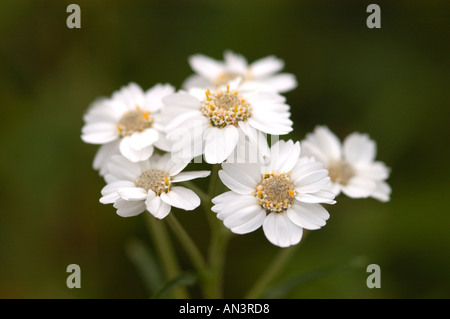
{"x": 261, "y": 74}
{"x": 149, "y": 185}
{"x": 211, "y": 122}
{"x": 352, "y": 166}
{"x": 283, "y": 197}
{"x": 128, "y": 122}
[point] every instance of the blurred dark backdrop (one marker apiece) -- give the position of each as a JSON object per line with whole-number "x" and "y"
{"x": 391, "y": 83}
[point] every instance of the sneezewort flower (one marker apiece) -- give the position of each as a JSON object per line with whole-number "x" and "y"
{"x": 261, "y": 74}
{"x": 283, "y": 196}
{"x": 149, "y": 185}
{"x": 127, "y": 123}
{"x": 210, "y": 122}
{"x": 352, "y": 166}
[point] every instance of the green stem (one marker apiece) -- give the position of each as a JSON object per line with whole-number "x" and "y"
{"x": 216, "y": 260}
{"x": 189, "y": 246}
{"x": 161, "y": 239}
{"x": 212, "y": 192}
{"x": 272, "y": 270}
{"x": 219, "y": 240}
{"x": 214, "y": 181}
{"x": 213, "y": 281}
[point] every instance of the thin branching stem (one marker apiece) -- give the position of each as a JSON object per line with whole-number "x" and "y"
{"x": 271, "y": 272}
{"x": 165, "y": 250}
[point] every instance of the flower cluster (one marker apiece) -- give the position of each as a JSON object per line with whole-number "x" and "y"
{"x": 223, "y": 114}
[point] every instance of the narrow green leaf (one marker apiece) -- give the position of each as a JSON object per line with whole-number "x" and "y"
{"x": 184, "y": 279}
{"x": 146, "y": 264}
{"x": 295, "y": 282}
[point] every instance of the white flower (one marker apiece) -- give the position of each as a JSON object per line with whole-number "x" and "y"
{"x": 352, "y": 166}
{"x": 149, "y": 185}
{"x": 211, "y": 122}
{"x": 283, "y": 196}
{"x": 129, "y": 122}
{"x": 261, "y": 74}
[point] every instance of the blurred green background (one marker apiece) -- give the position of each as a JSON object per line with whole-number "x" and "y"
{"x": 391, "y": 83}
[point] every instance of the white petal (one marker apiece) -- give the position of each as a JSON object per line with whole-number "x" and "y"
{"x": 132, "y": 193}
{"x": 244, "y": 173}
{"x": 335, "y": 188}
{"x": 109, "y": 178}
{"x": 271, "y": 104}
{"x": 276, "y": 114}
{"x": 245, "y": 220}
{"x": 322, "y": 196}
{"x": 145, "y": 165}
{"x": 139, "y": 140}
{"x": 196, "y": 81}
{"x": 198, "y": 93}
{"x": 359, "y": 187}
{"x": 235, "y": 63}
{"x": 181, "y": 197}
{"x": 187, "y": 142}
{"x": 133, "y": 154}
{"x": 382, "y": 192}
{"x": 308, "y": 216}
{"x": 270, "y": 123}
{"x": 327, "y": 142}
{"x": 359, "y": 149}
{"x": 129, "y": 208}
{"x": 234, "y": 185}
{"x": 103, "y": 155}
{"x": 157, "y": 207}
{"x": 279, "y": 83}
{"x": 377, "y": 171}
{"x": 228, "y": 203}
{"x": 179, "y": 102}
{"x": 102, "y": 110}
{"x": 220, "y": 143}
{"x": 99, "y": 127}
{"x": 256, "y": 138}
{"x": 266, "y": 66}
{"x": 163, "y": 143}
{"x": 159, "y": 161}
{"x": 310, "y": 148}
{"x": 217, "y": 208}
{"x": 100, "y": 137}
{"x": 235, "y": 203}
{"x": 187, "y": 176}
{"x": 247, "y": 151}
{"x": 224, "y": 197}
{"x": 109, "y": 198}
{"x": 267, "y": 100}
{"x": 130, "y": 95}
{"x": 284, "y": 156}
{"x": 187, "y": 123}
{"x": 251, "y": 224}
{"x": 123, "y": 169}
{"x": 206, "y": 66}
{"x": 305, "y": 166}
{"x": 154, "y": 96}
{"x": 111, "y": 188}
{"x": 312, "y": 181}
{"x": 166, "y": 163}
{"x": 280, "y": 231}
{"x": 182, "y": 118}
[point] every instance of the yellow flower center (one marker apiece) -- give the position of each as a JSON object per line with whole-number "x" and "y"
{"x": 224, "y": 77}
{"x": 275, "y": 193}
{"x": 154, "y": 179}
{"x": 134, "y": 121}
{"x": 340, "y": 172}
{"x": 225, "y": 107}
